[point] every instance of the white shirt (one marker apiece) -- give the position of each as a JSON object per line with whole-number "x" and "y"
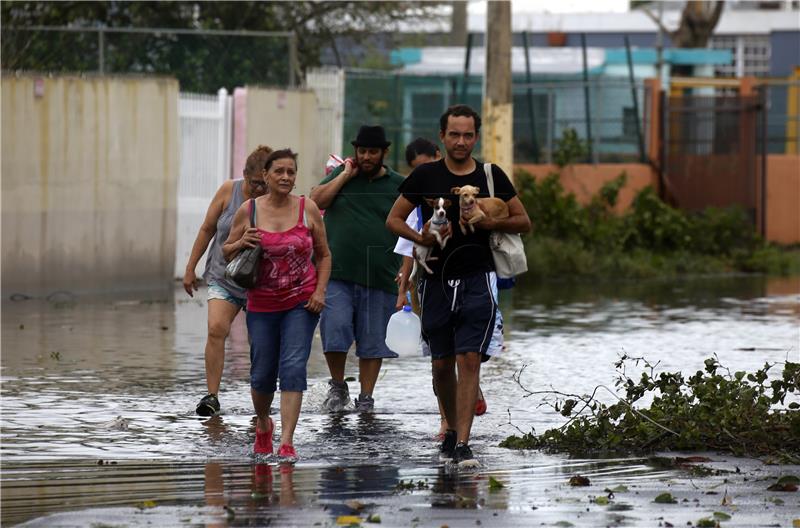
{"x": 404, "y": 246}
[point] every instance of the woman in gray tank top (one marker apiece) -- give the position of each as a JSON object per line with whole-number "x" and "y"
{"x": 225, "y": 299}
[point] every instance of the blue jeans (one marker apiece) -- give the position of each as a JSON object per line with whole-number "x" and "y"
{"x": 280, "y": 343}
{"x": 356, "y": 313}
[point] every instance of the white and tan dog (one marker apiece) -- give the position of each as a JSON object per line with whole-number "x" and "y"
{"x": 474, "y": 209}
{"x": 437, "y": 223}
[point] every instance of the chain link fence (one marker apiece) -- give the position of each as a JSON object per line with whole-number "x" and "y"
{"x": 201, "y": 60}
{"x": 409, "y": 106}
{"x": 783, "y": 115}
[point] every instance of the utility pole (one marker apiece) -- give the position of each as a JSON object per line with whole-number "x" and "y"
{"x": 498, "y": 111}
{"x": 458, "y": 23}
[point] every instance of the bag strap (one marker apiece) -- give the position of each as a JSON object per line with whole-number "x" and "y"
{"x": 419, "y": 218}
{"x": 252, "y": 212}
{"x": 487, "y": 168}
{"x": 301, "y": 218}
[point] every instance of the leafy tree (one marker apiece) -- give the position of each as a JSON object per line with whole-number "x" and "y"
{"x": 201, "y": 63}
{"x": 698, "y": 20}
{"x": 697, "y": 23}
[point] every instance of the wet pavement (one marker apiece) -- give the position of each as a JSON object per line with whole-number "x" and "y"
{"x": 98, "y": 423}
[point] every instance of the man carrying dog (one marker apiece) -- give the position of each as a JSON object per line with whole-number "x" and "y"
{"x": 357, "y": 197}
{"x": 457, "y": 303}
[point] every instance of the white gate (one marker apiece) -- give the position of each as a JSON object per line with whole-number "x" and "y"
{"x": 205, "y": 141}
{"x": 328, "y": 85}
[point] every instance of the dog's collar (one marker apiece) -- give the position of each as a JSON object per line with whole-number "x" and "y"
{"x": 443, "y": 222}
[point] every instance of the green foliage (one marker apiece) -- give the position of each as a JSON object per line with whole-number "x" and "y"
{"x": 650, "y": 239}
{"x": 706, "y": 522}
{"x": 570, "y": 148}
{"x": 494, "y": 484}
{"x": 201, "y": 63}
{"x": 743, "y": 413}
{"x": 665, "y": 498}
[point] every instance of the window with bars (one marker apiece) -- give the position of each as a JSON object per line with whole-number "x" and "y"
{"x": 751, "y": 54}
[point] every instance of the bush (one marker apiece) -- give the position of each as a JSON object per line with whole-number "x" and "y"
{"x": 570, "y": 148}
{"x": 648, "y": 240}
{"x": 743, "y": 413}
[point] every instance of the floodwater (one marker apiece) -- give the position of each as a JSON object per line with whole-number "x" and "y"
{"x": 98, "y": 423}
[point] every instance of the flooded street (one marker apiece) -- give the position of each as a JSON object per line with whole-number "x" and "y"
{"x": 99, "y": 429}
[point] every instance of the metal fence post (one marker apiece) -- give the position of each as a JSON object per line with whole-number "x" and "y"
{"x": 529, "y": 93}
{"x": 587, "y": 104}
{"x": 292, "y": 59}
{"x": 551, "y": 125}
{"x": 101, "y": 51}
{"x": 467, "y": 58}
{"x": 635, "y": 99}
{"x": 764, "y": 92}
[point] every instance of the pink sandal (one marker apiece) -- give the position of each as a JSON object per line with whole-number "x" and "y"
{"x": 287, "y": 453}
{"x": 264, "y": 440}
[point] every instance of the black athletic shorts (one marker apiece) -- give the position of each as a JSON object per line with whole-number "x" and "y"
{"x": 457, "y": 314}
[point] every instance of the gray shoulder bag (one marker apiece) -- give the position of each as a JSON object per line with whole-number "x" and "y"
{"x": 244, "y": 268}
{"x": 507, "y": 248}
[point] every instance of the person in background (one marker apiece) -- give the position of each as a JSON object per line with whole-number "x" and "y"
{"x": 283, "y": 308}
{"x": 421, "y": 151}
{"x": 225, "y": 298}
{"x": 356, "y": 198}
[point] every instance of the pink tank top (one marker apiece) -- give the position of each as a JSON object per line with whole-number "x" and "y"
{"x": 287, "y": 276}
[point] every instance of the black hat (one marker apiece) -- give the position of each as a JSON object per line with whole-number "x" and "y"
{"x": 371, "y": 136}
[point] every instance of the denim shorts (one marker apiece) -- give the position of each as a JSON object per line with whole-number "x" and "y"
{"x": 280, "y": 343}
{"x": 217, "y": 291}
{"x": 356, "y": 313}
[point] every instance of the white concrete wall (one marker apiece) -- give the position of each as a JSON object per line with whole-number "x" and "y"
{"x": 288, "y": 118}
{"x": 89, "y": 178}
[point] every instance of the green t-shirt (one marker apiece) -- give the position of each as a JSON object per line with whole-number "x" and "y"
{"x": 361, "y": 246}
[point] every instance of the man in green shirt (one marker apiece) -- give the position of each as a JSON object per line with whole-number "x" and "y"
{"x": 357, "y": 197}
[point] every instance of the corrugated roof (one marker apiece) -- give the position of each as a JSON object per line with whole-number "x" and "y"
{"x": 559, "y": 61}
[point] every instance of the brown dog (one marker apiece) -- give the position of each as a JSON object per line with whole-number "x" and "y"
{"x": 474, "y": 209}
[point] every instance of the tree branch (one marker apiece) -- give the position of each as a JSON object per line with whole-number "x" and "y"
{"x": 715, "y": 16}
{"x": 655, "y": 19}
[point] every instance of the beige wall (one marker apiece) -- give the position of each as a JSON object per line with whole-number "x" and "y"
{"x": 584, "y": 180}
{"x": 287, "y": 118}
{"x": 783, "y": 198}
{"x": 89, "y": 177}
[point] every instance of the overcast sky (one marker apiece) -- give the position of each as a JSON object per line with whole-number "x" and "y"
{"x": 558, "y": 6}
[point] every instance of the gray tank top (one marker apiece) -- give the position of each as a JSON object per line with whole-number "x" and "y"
{"x": 215, "y": 262}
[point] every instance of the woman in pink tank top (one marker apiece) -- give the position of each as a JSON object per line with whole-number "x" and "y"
{"x": 283, "y": 308}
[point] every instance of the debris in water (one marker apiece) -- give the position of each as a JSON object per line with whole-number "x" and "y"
{"x": 355, "y": 505}
{"x": 579, "y": 480}
{"x": 665, "y": 498}
{"x": 119, "y": 423}
{"x": 495, "y": 485}
{"x": 785, "y": 483}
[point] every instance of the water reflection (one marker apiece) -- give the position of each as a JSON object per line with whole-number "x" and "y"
{"x": 98, "y": 397}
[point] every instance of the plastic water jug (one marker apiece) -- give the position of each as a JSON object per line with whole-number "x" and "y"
{"x": 403, "y": 332}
